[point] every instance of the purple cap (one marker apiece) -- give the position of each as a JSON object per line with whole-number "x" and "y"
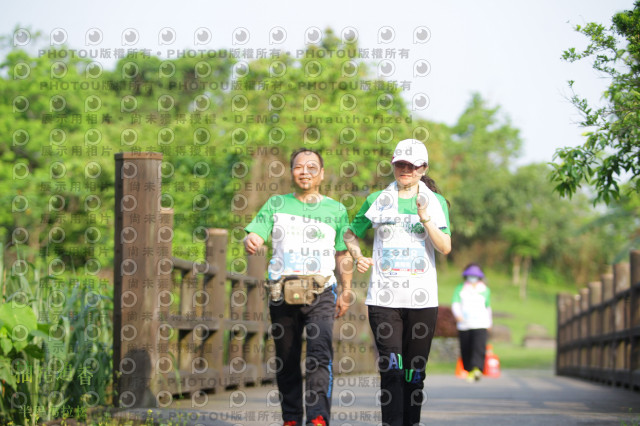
{"x": 473, "y": 270}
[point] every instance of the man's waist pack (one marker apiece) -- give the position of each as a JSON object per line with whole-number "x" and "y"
{"x": 301, "y": 289}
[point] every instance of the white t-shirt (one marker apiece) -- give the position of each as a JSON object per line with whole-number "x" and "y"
{"x": 404, "y": 273}
{"x": 304, "y": 236}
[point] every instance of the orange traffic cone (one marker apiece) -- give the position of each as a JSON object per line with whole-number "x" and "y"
{"x": 491, "y": 363}
{"x": 460, "y": 371}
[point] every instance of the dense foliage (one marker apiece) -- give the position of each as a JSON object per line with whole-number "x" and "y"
{"x": 610, "y": 155}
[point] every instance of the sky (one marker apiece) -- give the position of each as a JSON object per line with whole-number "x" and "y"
{"x": 507, "y": 51}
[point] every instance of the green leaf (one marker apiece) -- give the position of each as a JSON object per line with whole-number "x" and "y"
{"x": 5, "y": 373}
{"x": 10, "y": 317}
{"x": 34, "y": 351}
{"x": 43, "y": 328}
{"x": 41, "y": 334}
{"x": 6, "y": 345}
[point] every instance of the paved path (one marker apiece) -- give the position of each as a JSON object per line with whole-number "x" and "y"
{"x": 518, "y": 397}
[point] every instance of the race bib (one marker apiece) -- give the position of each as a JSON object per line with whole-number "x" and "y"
{"x": 297, "y": 263}
{"x": 401, "y": 253}
{"x": 402, "y": 261}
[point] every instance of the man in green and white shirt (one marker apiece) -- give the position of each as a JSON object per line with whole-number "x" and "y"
{"x": 306, "y": 230}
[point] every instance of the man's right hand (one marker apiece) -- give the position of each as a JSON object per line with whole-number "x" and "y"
{"x": 252, "y": 243}
{"x": 363, "y": 264}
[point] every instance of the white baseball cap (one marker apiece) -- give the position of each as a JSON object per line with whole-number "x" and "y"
{"x": 412, "y": 151}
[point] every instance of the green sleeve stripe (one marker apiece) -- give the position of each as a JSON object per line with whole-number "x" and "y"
{"x": 456, "y": 294}
{"x": 445, "y": 209}
{"x": 262, "y": 224}
{"x": 343, "y": 226}
{"x": 360, "y": 223}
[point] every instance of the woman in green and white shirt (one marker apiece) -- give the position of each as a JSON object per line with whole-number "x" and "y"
{"x": 410, "y": 223}
{"x": 471, "y": 307}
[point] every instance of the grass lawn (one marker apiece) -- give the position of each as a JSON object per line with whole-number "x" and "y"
{"x": 511, "y": 357}
{"x": 519, "y": 357}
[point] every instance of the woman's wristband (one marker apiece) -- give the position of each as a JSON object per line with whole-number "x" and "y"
{"x": 425, "y": 221}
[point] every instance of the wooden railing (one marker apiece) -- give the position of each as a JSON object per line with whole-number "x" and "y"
{"x": 598, "y": 336}
{"x": 184, "y": 327}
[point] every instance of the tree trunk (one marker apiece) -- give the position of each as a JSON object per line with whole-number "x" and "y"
{"x": 525, "y": 277}
{"x": 515, "y": 276}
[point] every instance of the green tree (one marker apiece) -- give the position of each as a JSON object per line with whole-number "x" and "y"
{"x": 524, "y": 221}
{"x": 483, "y": 145}
{"x": 611, "y": 152}
{"x": 324, "y": 98}
{"x": 230, "y": 124}
{"x": 65, "y": 117}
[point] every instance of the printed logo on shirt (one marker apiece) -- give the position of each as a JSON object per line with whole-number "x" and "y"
{"x": 406, "y": 225}
{"x": 417, "y": 228}
{"x": 314, "y": 234}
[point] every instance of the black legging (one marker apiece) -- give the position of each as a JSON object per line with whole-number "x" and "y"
{"x": 473, "y": 345}
{"x": 403, "y": 338}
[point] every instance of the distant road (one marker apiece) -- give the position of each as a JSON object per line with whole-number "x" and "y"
{"x": 518, "y": 397}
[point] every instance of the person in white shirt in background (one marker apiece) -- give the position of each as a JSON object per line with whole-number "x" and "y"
{"x": 471, "y": 307}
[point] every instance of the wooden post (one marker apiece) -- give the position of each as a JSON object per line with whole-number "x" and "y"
{"x": 608, "y": 321}
{"x": 238, "y": 332}
{"x": 620, "y": 284}
{"x": 634, "y": 367}
{"x": 576, "y": 318}
{"x": 166, "y": 333}
{"x": 595, "y": 300}
{"x": 188, "y": 313}
{"x": 607, "y": 287}
{"x": 584, "y": 330}
{"x": 560, "y": 318}
{"x": 165, "y": 264}
{"x": 136, "y": 323}
{"x": 564, "y": 336}
{"x": 621, "y": 276}
{"x": 635, "y": 291}
{"x": 575, "y": 333}
{"x": 607, "y": 297}
{"x": 584, "y": 312}
{"x": 595, "y": 324}
{"x": 568, "y": 328}
{"x": 256, "y": 307}
{"x": 216, "y": 308}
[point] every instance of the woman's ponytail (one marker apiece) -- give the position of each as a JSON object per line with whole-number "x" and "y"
{"x": 431, "y": 184}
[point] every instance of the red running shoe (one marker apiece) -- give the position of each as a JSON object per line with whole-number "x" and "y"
{"x": 290, "y": 423}
{"x": 319, "y": 421}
